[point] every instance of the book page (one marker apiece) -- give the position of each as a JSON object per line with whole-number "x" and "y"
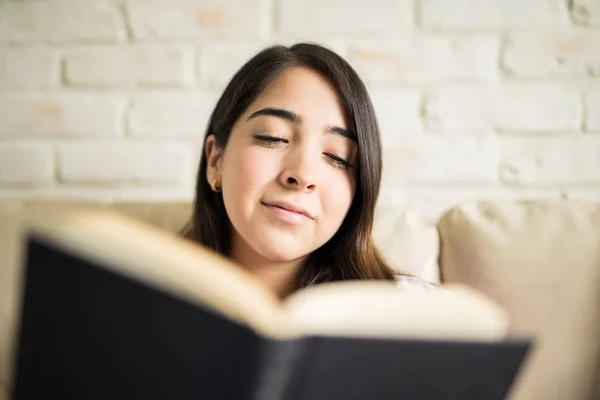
{"x": 381, "y": 309}
{"x": 168, "y": 263}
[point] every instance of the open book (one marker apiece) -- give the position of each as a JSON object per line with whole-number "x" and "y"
{"x": 114, "y": 309}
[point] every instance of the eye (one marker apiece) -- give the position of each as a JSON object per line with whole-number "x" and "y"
{"x": 269, "y": 141}
{"x": 339, "y": 161}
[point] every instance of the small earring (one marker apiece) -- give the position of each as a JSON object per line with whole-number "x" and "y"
{"x": 214, "y": 187}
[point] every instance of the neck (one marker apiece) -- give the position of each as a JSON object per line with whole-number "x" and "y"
{"x": 277, "y": 276}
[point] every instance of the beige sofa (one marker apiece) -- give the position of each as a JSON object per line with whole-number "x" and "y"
{"x": 540, "y": 260}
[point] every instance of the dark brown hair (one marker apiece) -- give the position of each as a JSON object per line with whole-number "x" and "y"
{"x": 350, "y": 254}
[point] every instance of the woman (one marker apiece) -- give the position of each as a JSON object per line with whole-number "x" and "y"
{"x": 290, "y": 173}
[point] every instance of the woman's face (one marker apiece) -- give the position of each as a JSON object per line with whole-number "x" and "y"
{"x": 288, "y": 170}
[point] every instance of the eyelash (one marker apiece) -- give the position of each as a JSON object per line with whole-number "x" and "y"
{"x": 339, "y": 162}
{"x": 272, "y": 141}
{"x": 269, "y": 141}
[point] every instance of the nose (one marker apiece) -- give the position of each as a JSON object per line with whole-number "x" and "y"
{"x": 300, "y": 171}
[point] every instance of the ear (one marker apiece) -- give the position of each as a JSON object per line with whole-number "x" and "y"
{"x": 214, "y": 157}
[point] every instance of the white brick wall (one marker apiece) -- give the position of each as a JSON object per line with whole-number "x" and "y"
{"x": 192, "y": 19}
{"x": 116, "y": 163}
{"x": 23, "y": 164}
{"x": 493, "y": 14}
{"x": 562, "y": 53}
{"x": 129, "y": 66}
{"x": 60, "y": 21}
{"x": 218, "y": 60}
{"x": 342, "y": 17}
{"x": 515, "y": 108}
{"x": 28, "y": 68}
{"x": 586, "y": 12}
{"x": 170, "y": 115}
{"x": 27, "y": 116}
{"x": 550, "y": 161}
{"x": 108, "y": 99}
{"x": 398, "y": 113}
{"x": 592, "y": 105}
{"x": 442, "y": 160}
{"x": 422, "y": 58}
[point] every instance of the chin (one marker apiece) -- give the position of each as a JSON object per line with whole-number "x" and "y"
{"x": 281, "y": 257}
{"x": 281, "y": 253}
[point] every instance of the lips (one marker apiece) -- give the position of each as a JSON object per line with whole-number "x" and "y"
{"x": 289, "y": 207}
{"x": 288, "y": 213}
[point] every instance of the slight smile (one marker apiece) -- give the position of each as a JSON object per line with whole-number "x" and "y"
{"x": 288, "y": 212}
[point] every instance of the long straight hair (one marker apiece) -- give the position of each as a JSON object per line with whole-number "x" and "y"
{"x": 350, "y": 254}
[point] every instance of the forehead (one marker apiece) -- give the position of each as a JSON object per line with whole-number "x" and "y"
{"x": 304, "y": 92}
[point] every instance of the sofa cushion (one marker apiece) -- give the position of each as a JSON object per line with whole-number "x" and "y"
{"x": 541, "y": 261}
{"x": 408, "y": 242}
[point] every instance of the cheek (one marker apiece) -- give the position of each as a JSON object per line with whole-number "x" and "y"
{"x": 248, "y": 170}
{"x": 337, "y": 197}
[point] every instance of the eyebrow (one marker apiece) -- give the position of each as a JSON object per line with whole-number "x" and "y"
{"x": 297, "y": 119}
{"x": 278, "y": 112}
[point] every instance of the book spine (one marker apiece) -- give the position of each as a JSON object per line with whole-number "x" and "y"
{"x": 281, "y": 360}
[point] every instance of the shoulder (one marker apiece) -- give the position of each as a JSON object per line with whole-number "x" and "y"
{"x": 415, "y": 284}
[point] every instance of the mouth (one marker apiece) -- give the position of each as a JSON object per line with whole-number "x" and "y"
{"x": 288, "y": 212}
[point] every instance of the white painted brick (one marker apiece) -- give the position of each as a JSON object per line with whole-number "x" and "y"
{"x": 117, "y": 163}
{"x": 586, "y": 12}
{"x": 548, "y": 54}
{"x": 431, "y": 202}
{"x": 93, "y": 163}
{"x": 101, "y": 194}
{"x": 398, "y": 113}
{"x": 170, "y": 115}
{"x": 84, "y": 115}
{"x": 426, "y": 58}
{"x": 548, "y": 161}
{"x": 338, "y": 44}
{"x": 60, "y": 21}
{"x": 28, "y": 68}
{"x": 182, "y": 19}
{"x": 461, "y": 110}
{"x": 429, "y": 158}
{"x": 444, "y": 14}
{"x": 26, "y": 163}
{"x": 392, "y": 193}
{"x": 130, "y": 66}
{"x": 196, "y": 153}
{"x": 586, "y": 194}
{"x": 592, "y": 107}
{"x": 160, "y": 164}
{"x": 344, "y": 16}
{"x": 218, "y": 61}
{"x": 535, "y": 108}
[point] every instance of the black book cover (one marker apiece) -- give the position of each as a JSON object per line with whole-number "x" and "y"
{"x": 387, "y": 369}
{"x": 88, "y": 333}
